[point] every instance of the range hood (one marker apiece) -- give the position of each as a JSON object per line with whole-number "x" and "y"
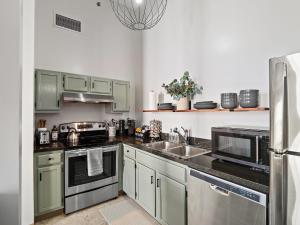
{"x": 87, "y": 98}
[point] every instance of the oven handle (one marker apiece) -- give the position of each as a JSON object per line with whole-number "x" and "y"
{"x": 82, "y": 152}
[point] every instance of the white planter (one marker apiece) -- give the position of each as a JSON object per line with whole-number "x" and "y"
{"x": 183, "y": 104}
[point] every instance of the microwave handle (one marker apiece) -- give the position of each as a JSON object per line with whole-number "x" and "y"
{"x": 257, "y": 149}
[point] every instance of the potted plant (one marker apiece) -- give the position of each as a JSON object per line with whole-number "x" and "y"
{"x": 183, "y": 90}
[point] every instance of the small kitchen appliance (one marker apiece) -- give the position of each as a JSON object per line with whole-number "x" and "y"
{"x": 82, "y": 190}
{"x": 131, "y": 126}
{"x": 43, "y": 136}
{"x": 122, "y": 127}
{"x": 242, "y": 145}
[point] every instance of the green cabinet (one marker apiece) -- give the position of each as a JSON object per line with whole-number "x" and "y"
{"x": 49, "y": 188}
{"x": 145, "y": 188}
{"x": 159, "y": 185}
{"x": 47, "y": 91}
{"x": 48, "y": 180}
{"x": 121, "y": 94}
{"x": 101, "y": 86}
{"x": 74, "y": 82}
{"x": 120, "y": 167}
{"x": 129, "y": 177}
{"x": 170, "y": 201}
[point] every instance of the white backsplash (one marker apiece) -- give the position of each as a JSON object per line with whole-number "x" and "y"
{"x": 76, "y": 112}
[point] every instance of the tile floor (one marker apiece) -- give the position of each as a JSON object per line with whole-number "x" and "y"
{"x": 89, "y": 216}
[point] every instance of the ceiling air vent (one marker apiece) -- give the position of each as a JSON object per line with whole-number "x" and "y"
{"x": 67, "y": 23}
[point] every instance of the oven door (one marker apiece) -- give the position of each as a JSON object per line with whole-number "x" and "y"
{"x": 76, "y": 174}
{"x": 236, "y": 147}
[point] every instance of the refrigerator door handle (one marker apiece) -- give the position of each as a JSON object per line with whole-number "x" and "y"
{"x": 278, "y": 189}
{"x": 279, "y": 106}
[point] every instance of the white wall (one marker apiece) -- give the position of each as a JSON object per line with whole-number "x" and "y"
{"x": 105, "y": 48}
{"x": 27, "y": 206}
{"x": 74, "y": 112}
{"x": 226, "y": 46}
{"x": 10, "y": 85}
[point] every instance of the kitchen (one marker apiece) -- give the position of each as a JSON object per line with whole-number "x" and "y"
{"x": 225, "y": 47}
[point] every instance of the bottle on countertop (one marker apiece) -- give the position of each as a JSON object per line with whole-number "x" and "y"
{"x": 171, "y": 136}
{"x": 54, "y": 134}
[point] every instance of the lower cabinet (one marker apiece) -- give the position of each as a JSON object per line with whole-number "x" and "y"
{"x": 48, "y": 182}
{"x": 170, "y": 201}
{"x": 49, "y": 188}
{"x": 145, "y": 188}
{"x": 129, "y": 177}
{"x": 157, "y": 185}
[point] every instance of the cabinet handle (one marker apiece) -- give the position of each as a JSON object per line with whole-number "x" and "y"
{"x": 93, "y": 85}
{"x": 151, "y": 179}
{"x": 85, "y": 83}
{"x": 40, "y": 176}
{"x": 115, "y": 105}
{"x": 58, "y": 102}
{"x": 157, "y": 183}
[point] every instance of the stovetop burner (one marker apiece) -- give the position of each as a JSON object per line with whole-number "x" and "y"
{"x": 92, "y": 134}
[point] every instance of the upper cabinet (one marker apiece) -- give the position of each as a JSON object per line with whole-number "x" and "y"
{"x": 77, "y": 83}
{"x": 121, "y": 94}
{"x": 47, "y": 91}
{"x": 101, "y": 86}
{"x": 49, "y": 86}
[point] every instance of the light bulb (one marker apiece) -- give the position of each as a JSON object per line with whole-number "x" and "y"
{"x": 139, "y": 1}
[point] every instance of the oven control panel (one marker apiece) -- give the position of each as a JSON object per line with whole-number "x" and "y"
{"x": 82, "y": 126}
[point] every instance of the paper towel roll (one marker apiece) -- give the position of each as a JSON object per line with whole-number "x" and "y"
{"x": 152, "y": 100}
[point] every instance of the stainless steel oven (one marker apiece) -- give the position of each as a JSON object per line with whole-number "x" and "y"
{"x": 82, "y": 190}
{"x": 241, "y": 145}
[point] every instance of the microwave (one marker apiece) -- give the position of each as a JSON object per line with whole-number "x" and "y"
{"x": 245, "y": 146}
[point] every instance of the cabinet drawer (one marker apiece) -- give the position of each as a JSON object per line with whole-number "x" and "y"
{"x": 129, "y": 152}
{"x": 164, "y": 167}
{"x": 49, "y": 159}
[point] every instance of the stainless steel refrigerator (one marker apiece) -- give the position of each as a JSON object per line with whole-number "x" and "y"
{"x": 284, "y": 207}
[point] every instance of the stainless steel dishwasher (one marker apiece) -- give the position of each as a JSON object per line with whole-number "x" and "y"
{"x": 214, "y": 201}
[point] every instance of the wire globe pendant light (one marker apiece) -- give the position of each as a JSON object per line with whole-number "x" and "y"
{"x": 139, "y": 14}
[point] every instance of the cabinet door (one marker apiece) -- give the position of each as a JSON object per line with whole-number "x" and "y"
{"x": 73, "y": 82}
{"x": 47, "y": 90}
{"x": 121, "y": 166}
{"x": 121, "y": 94}
{"x": 101, "y": 86}
{"x": 129, "y": 177}
{"x": 49, "y": 188}
{"x": 145, "y": 188}
{"x": 170, "y": 201}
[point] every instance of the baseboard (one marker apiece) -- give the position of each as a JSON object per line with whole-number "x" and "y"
{"x": 48, "y": 215}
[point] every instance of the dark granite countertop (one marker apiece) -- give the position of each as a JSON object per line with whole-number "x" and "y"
{"x": 238, "y": 174}
{"x": 235, "y": 173}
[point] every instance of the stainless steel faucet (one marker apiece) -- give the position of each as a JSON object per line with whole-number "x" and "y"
{"x": 184, "y": 137}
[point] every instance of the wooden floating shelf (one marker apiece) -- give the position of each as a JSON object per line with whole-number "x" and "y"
{"x": 260, "y": 109}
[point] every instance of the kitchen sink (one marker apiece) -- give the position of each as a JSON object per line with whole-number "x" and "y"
{"x": 161, "y": 145}
{"x": 179, "y": 150}
{"x": 187, "y": 151}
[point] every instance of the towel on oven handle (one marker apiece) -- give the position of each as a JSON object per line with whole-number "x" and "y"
{"x": 95, "y": 161}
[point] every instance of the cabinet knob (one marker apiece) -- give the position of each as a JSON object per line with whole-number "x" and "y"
{"x": 128, "y": 151}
